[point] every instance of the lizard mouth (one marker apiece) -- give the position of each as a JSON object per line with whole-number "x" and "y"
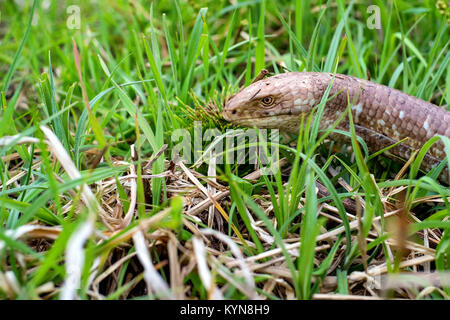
{"x": 268, "y": 121}
{"x": 232, "y": 117}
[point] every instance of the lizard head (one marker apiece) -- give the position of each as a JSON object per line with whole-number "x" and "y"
{"x": 274, "y": 102}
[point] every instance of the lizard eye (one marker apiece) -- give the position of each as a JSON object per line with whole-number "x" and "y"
{"x": 267, "y": 101}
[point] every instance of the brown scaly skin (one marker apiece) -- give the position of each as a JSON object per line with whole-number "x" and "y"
{"x": 382, "y": 115}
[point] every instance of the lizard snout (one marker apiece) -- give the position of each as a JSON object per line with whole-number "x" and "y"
{"x": 229, "y": 114}
{"x": 230, "y": 111}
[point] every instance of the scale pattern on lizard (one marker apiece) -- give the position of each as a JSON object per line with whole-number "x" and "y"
{"x": 382, "y": 115}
